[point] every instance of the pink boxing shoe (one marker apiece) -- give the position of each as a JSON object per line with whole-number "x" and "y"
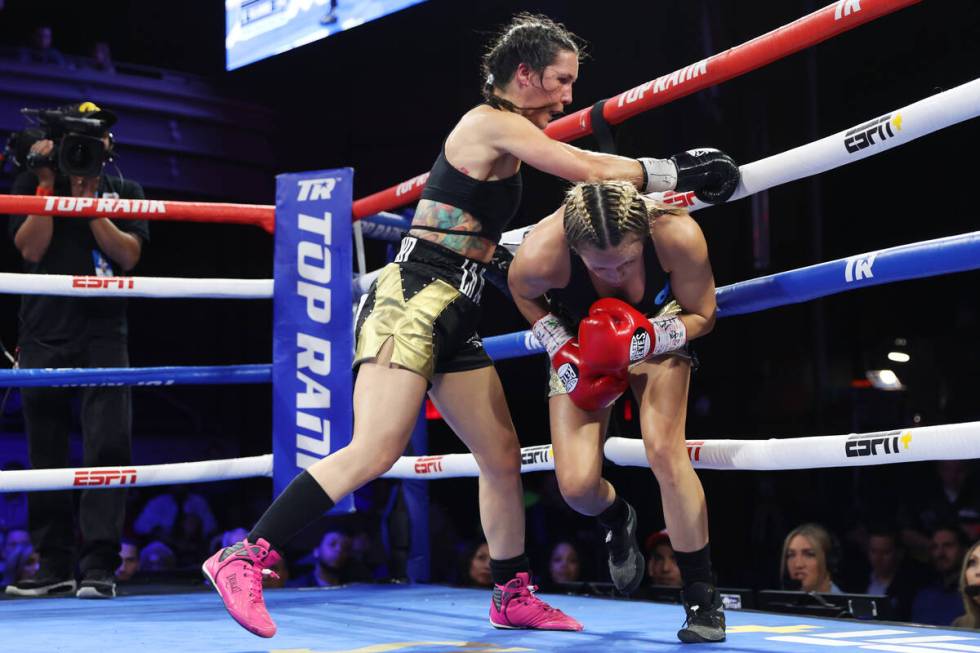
{"x": 514, "y": 605}
{"x": 236, "y": 572}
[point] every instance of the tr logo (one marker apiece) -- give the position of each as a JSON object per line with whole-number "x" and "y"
{"x": 316, "y": 189}
{"x": 859, "y": 267}
{"x": 846, "y": 8}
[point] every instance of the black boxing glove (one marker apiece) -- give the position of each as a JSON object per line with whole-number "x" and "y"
{"x": 710, "y": 173}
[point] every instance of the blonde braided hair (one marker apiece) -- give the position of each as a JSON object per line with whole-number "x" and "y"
{"x": 601, "y": 214}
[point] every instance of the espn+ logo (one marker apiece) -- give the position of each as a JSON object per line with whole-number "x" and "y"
{"x": 863, "y": 136}
{"x": 877, "y": 444}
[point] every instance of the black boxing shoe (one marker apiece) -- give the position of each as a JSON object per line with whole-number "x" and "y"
{"x": 97, "y": 584}
{"x": 48, "y": 581}
{"x": 626, "y": 562}
{"x": 705, "y": 615}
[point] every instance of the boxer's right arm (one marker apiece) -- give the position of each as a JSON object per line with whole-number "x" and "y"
{"x": 540, "y": 264}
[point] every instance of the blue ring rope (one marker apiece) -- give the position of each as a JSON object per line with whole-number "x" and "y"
{"x": 926, "y": 259}
{"x": 138, "y": 376}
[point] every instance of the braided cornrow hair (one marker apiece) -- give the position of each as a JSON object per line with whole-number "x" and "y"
{"x": 601, "y": 214}
{"x": 531, "y": 39}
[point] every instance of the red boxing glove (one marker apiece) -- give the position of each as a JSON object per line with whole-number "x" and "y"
{"x": 588, "y": 389}
{"x": 615, "y": 335}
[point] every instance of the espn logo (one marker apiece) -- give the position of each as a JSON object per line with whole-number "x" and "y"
{"x": 532, "y": 455}
{"x": 890, "y": 443}
{"x": 863, "y": 136}
{"x": 428, "y": 464}
{"x": 84, "y": 477}
{"x": 694, "y": 449}
{"x": 119, "y": 283}
{"x": 683, "y": 200}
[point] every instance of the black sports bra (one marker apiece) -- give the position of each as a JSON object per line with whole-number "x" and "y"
{"x": 494, "y": 203}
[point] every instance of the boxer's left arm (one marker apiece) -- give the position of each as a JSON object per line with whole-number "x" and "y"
{"x": 683, "y": 253}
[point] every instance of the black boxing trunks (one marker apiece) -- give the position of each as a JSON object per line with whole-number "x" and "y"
{"x": 428, "y": 303}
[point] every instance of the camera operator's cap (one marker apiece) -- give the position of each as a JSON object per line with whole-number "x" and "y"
{"x": 92, "y": 110}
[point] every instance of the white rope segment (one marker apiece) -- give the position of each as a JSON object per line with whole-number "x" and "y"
{"x": 943, "y": 442}
{"x": 94, "y": 478}
{"x": 161, "y": 287}
{"x": 540, "y": 458}
{"x": 853, "y": 144}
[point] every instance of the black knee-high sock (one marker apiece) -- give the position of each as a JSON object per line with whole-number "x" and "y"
{"x": 614, "y": 517}
{"x": 695, "y": 566}
{"x": 300, "y": 503}
{"x": 504, "y": 570}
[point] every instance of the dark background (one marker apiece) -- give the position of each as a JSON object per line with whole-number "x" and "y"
{"x": 381, "y": 97}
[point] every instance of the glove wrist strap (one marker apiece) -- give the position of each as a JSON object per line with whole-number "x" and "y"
{"x": 671, "y": 334}
{"x": 551, "y": 333}
{"x": 659, "y": 175}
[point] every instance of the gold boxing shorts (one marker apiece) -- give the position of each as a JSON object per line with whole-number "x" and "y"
{"x": 428, "y": 303}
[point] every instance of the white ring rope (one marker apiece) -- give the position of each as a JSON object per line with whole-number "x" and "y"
{"x": 94, "y": 478}
{"x": 160, "y": 287}
{"x": 943, "y": 442}
{"x": 859, "y": 142}
{"x": 920, "y": 444}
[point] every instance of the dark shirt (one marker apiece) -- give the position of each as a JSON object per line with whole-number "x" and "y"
{"x": 937, "y": 605}
{"x": 74, "y": 251}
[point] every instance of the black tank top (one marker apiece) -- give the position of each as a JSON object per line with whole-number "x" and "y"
{"x": 494, "y": 203}
{"x": 572, "y": 302}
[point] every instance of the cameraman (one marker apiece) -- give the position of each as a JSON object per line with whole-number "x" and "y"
{"x": 75, "y": 332}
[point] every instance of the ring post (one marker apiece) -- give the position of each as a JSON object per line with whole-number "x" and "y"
{"x": 312, "y": 411}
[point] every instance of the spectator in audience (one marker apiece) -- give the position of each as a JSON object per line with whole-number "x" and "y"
{"x": 28, "y": 567}
{"x": 941, "y": 602}
{"x": 951, "y": 497}
{"x": 17, "y": 550}
{"x": 564, "y": 564}
{"x": 891, "y": 575}
{"x": 129, "y": 552}
{"x": 970, "y": 589}
{"x": 368, "y": 554}
{"x": 102, "y": 57}
{"x": 231, "y": 536}
{"x": 333, "y": 563}
{"x": 13, "y": 505}
{"x": 159, "y": 518}
{"x": 662, "y": 566}
{"x": 474, "y": 565}
{"x": 809, "y": 560}
{"x": 157, "y": 557}
{"x": 41, "y": 49}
